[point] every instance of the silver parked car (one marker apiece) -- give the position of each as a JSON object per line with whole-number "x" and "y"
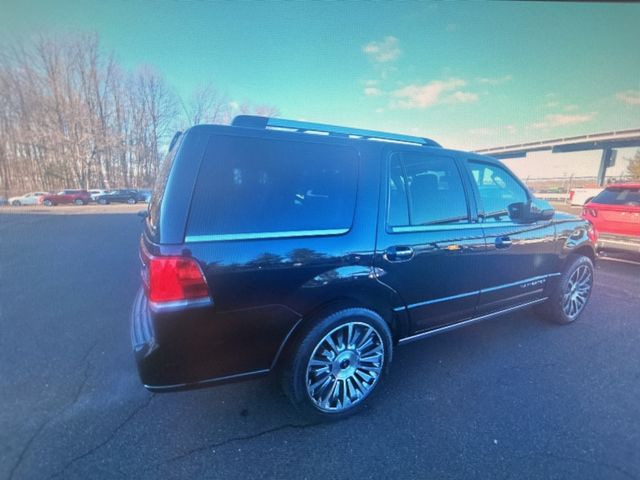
{"x": 26, "y": 199}
{"x": 95, "y": 193}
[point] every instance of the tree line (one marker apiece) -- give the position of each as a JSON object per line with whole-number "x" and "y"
{"x": 72, "y": 117}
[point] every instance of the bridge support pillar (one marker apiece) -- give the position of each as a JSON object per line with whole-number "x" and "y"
{"x": 605, "y": 161}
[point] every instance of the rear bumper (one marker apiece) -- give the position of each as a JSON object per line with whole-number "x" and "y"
{"x": 618, "y": 243}
{"x": 199, "y": 347}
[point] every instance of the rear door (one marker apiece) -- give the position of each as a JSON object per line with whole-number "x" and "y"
{"x": 429, "y": 247}
{"x": 520, "y": 256}
{"x": 271, "y": 222}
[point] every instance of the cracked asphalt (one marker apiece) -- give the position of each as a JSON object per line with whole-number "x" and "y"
{"x": 511, "y": 398}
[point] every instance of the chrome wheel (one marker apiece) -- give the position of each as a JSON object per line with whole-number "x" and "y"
{"x": 345, "y": 366}
{"x": 576, "y": 292}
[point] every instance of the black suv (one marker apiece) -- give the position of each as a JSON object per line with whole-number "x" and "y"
{"x": 314, "y": 250}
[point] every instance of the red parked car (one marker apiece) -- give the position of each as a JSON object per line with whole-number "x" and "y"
{"x": 79, "y": 197}
{"x": 615, "y": 215}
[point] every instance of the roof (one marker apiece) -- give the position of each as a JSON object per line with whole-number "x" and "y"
{"x": 271, "y": 123}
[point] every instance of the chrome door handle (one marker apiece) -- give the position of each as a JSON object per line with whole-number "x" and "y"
{"x": 400, "y": 253}
{"x": 503, "y": 242}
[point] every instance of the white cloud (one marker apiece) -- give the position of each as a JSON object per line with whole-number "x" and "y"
{"x": 630, "y": 97}
{"x": 372, "y": 91}
{"x": 551, "y": 104}
{"x": 386, "y": 50}
{"x": 234, "y": 105}
{"x": 560, "y": 120}
{"x": 462, "y": 97}
{"x": 432, "y": 93}
{"x": 494, "y": 80}
{"x": 371, "y": 83}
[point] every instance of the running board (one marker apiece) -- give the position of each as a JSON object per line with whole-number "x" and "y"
{"x": 464, "y": 323}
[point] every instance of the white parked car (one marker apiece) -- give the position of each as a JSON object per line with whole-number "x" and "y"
{"x": 26, "y": 199}
{"x": 95, "y": 193}
{"x": 582, "y": 196}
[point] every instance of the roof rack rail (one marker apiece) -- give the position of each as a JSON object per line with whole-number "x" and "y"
{"x": 255, "y": 121}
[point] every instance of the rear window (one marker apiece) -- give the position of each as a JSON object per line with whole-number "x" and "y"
{"x": 250, "y": 186}
{"x": 619, "y": 196}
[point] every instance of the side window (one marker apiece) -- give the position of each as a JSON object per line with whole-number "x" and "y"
{"x": 498, "y": 189}
{"x": 425, "y": 190}
{"x": 259, "y": 186}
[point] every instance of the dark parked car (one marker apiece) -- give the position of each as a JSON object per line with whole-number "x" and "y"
{"x": 269, "y": 247}
{"x": 77, "y": 197}
{"x": 144, "y": 195}
{"x": 118, "y": 196}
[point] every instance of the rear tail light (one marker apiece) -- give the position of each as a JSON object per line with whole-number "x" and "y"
{"x": 176, "y": 278}
{"x": 173, "y": 278}
{"x": 571, "y": 194}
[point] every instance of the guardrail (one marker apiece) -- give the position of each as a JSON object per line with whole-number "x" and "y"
{"x": 552, "y": 196}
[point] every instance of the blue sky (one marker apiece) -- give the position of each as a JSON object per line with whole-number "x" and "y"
{"x": 467, "y": 74}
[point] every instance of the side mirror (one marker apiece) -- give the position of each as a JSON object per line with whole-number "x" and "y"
{"x": 530, "y": 212}
{"x": 541, "y": 210}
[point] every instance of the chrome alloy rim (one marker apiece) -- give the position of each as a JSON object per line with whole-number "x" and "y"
{"x": 345, "y": 366}
{"x": 577, "y": 291}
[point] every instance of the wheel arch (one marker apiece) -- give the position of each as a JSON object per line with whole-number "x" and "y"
{"x": 370, "y": 295}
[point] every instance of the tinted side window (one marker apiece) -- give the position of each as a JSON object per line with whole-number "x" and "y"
{"x": 498, "y": 189}
{"x": 425, "y": 190}
{"x": 253, "y": 186}
{"x": 619, "y": 196}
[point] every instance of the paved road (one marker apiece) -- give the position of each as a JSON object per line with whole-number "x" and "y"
{"x": 512, "y": 398}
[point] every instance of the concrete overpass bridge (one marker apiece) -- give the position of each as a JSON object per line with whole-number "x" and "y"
{"x": 607, "y": 142}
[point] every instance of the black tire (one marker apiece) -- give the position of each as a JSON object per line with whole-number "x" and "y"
{"x": 102, "y": 201}
{"x": 346, "y": 379}
{"x": 78, "y": 201}
{"x": 131, "y": 201}
{"x": 560, "y": 304}
{"x": 48, "y": 203}
{"x": 16, "y": 203}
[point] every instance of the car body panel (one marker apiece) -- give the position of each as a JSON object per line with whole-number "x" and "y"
{"x": 118, "y": 196}
{"x": 32, "y": 198}
{"x": 66, "y": 197}
{"x": 264, "y": 291}
{"x": 616, "y": 226}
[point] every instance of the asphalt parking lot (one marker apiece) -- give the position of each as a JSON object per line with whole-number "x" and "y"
{"x": 511, "y": 398}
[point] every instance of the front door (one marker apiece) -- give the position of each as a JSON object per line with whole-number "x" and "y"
{"x": 521, "y": 257}
{"x": 429, "y": 248}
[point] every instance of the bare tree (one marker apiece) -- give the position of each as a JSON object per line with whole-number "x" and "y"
{"x": 71, "y": 116}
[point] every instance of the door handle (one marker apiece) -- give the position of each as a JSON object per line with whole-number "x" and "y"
{"x": 400, "y": 253}
{"x": 503, "y": 242}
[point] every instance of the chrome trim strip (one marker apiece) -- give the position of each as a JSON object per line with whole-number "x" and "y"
{"x": 454, "y": 326}
{"x": 456, "y": 226}
{"x": 437, "y": 300}
{"x": 178, "y": 386}
{"x": 432, "y": 228}
{"x": 481, "y": 291}
{"x": 514, "y": 284}
{"x": 161, "y": 307}
{"x": 264, "y": 235}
